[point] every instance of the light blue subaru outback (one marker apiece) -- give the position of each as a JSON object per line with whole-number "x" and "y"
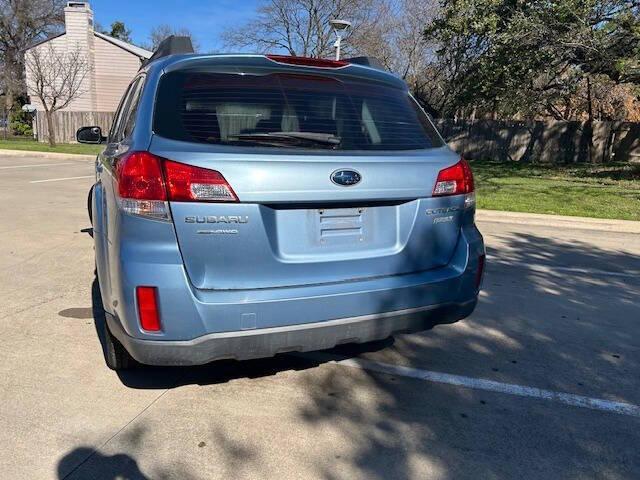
{"x": 249, "y": 205}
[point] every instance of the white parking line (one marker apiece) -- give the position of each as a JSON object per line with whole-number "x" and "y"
{"x": 60, "y": 179}
{"x": 37, "y": 165}
{"x": 483, "y": 384}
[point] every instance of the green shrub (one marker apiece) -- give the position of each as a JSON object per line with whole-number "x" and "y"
{"x": 21, "y": 129}
{"x": 20, "y": 123}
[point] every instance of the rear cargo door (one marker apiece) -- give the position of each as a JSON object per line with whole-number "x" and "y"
{"x": 333, "y": 177}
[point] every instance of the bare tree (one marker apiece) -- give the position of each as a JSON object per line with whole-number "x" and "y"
{"x": 56, "y": 78}
{"x": 397, "y": 37}
{"x": 160, "y": 32}
{"x": 301, "y": 27}
{"x": 390, "y": 30}
{"x": 23, "y": 22}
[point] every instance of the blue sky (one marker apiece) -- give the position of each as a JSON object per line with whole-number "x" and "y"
{"x": 205, "y": 18}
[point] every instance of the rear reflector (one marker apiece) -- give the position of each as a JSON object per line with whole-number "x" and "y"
{"x": 454, "y": 180}
{"x": 481, "y": 261}
{"x": 307, "y": 62}
{"x": 148, "y": 308}
{"x": 186, "y": 183}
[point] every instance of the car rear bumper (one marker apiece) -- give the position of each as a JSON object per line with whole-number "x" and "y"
{"x": 199, "y": 326}
{"x": 267, "y": 342}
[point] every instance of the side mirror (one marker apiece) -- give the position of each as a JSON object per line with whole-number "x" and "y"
{"x": 90, "y": 135}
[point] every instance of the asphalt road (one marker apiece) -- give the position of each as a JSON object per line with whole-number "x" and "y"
{"x": 543, "y": 381}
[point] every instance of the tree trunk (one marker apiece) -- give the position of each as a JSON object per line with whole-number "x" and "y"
{"x": 5, "y": 117}
{"x": 590, "y": 122}
{"x": 8, "y": 99}
{"x": 50, "y": 129}
{"x": 8, "y": 82}
{"x": 8, "y": 103}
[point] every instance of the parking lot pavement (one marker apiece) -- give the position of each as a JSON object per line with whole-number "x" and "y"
{"x": 542, "y": 381}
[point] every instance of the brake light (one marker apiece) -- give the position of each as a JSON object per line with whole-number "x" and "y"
{"x": 140, "y": 177}
{"x": 454, "y": 180}
{"x": 186, "y": 183}
{"x": 307, "y": 62}
{"x": 148, "y": 314}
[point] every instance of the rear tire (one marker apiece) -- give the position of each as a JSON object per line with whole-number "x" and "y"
{"x": 90, "y": 205}
{"x": 116, "y": 356}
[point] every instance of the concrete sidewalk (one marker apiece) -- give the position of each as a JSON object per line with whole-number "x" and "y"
{"x": 558, "y": 221}
{"x": 51, "y": 155}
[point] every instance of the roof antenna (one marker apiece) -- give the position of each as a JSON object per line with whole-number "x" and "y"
{"x": 172, "y": 45}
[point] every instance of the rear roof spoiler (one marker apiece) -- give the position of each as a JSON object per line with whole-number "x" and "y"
{"x": 172, "y": 45}
{"x": 372, "y": 62}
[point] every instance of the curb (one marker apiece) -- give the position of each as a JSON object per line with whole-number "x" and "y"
{"x": 558, "y": 221}
{"x": 52, "y": 155}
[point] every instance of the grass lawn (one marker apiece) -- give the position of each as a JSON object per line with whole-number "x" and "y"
{"x": 605, "y": 191}
{"x": 77, "y": 148}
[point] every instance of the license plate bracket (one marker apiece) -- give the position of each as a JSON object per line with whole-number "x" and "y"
{"x": 340, "y": 226}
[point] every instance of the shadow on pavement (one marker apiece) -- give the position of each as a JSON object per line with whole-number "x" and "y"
{"x": 564, "y": 331}
{"x": 112, "y": 467}
{"x": 85, "y": 462}
{"x": 549, "y": 328}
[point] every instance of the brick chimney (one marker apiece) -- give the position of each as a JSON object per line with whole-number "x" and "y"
{"x": 78, "y": 20}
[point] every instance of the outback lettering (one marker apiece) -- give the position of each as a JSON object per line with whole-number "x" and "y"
{"x": 440, "y": 211}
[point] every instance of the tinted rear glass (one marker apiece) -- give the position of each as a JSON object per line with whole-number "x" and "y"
{"x": 287, "y": 110}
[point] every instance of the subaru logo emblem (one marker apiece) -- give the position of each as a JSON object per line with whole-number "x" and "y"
{"x": 345, "y": 178}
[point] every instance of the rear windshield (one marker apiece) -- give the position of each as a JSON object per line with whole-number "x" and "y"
{"x": 285, "y": 110}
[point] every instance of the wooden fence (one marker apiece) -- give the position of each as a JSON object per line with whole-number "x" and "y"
{"x": 548, "y": 142}
{"x": 66, "y": 124}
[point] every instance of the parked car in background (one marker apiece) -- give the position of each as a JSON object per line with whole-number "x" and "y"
{"x": 249, "y": 205}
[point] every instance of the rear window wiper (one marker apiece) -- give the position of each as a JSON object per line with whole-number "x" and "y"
{"x": 314, "y": 137}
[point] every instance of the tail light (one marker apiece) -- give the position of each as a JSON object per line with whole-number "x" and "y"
{"x": 141, "y": 186}
{"x": 146, "y": 183}
{"x": 140, "y": 177}
{"x": 456, "y": 180}
{"x": 307, "y": 62}
{"x": 147, "y": 298}
{"x": 186, "y": 183}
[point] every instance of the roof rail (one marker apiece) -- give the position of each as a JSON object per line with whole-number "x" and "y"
{"x": 372, "y": 62}
{"x": 172, "y": 45}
